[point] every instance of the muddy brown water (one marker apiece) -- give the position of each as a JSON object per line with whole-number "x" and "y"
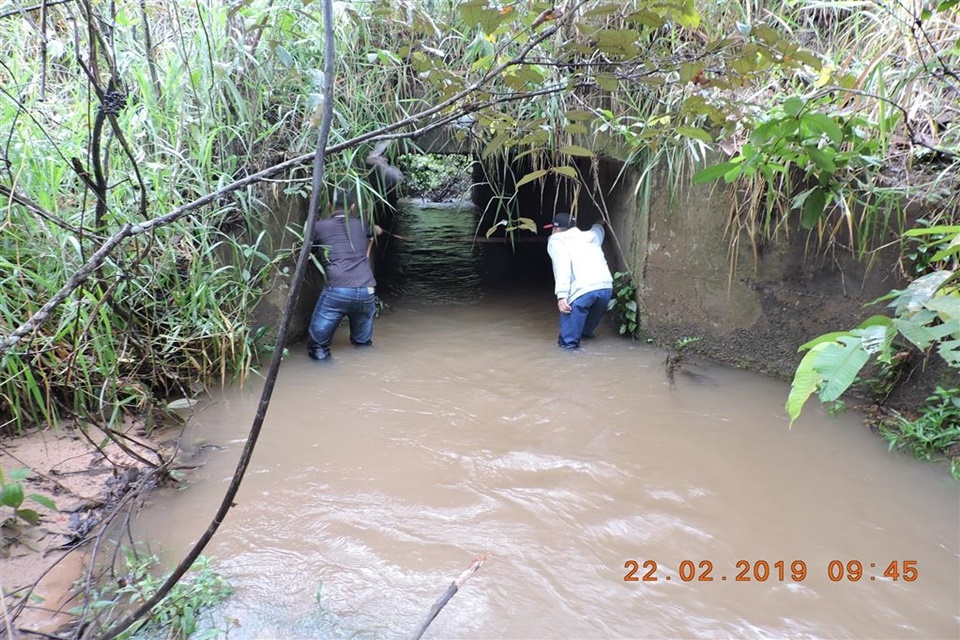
{"x": 380, "y": 476}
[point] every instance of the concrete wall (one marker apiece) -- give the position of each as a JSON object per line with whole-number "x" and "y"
{"x": 281, "y": 215}
{"x": 753, "y": 307}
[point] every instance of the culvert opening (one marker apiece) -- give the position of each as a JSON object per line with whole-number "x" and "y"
{"x": 450, "y": 240}
{"x": 438, "y": 249}
{"x": 438, "y": 253}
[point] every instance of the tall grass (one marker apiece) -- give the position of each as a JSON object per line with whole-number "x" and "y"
{"x": 166, "y": 310}
{"x": 885, "y": 66}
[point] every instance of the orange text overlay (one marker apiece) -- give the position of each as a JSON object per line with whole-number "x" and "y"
{"x": 771, "y": 571}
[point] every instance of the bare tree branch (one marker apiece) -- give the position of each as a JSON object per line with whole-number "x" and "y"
{"x": 445, "y": 597}
{"x": 227, "y": 502}
{"x": 22, "y": 10}
{"x": 36, "y": 209}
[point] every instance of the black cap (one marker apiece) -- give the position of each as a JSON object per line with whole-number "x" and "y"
{"x": 562, "y": 221}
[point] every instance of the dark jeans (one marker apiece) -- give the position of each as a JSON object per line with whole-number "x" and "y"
{"x": 356, "y": 303}
{"x": 585, "y": 314}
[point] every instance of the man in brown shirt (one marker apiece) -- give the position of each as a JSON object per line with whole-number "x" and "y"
{"x": 344, "y": 243}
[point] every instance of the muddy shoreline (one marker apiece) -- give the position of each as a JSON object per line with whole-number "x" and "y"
{"x": 94, "y": 480}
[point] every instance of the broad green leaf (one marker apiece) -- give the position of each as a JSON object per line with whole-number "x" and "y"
{"x": 827, "y": 337}
{"x": 823, "y": 159}
{"x": 947, "y": 307}
{"x": 575, "y": 128}
{"x": 285, "y": 58}
{"x": 918, "y": 334}
{"x": 825, "y": 124}
{"x": 617, "y": 41}
{"x": 767, "y": 130}
{"x": 514, "y": 81}
{"x": 494, "y": 145}
{"x": 939, "y": 229}
{"x": 792, "y": 106}
{"x": 813, "y": 208}
{"x": 809, "y": 58}
{"x": 527, "y": 224}
{"x": 876, "y": 338}
{"x": 535, "y": 138}
{"x": 946, "y": 330}
{"x": 531, "y": 74}
{"x": 603, "y": 10}
{"x": 914, "y": 297}
{"x": 564, "y": 170}
{"x": 800, "y": 198}
{"x": 949, "y": 250}
{"x": 735, "y": 173}
{"x": 766, "y": 33}
{"x": 805, "y": 382}
{"x": 576, "y": 115}
{"x": 695, "y": 133}
{"x": 647, "y": 18}
{"x": 876, "y": 320}
{"x": 608, "y": 81}
{"x": 43, "y": 500}
{"x": 29, "y": 515}
{"x": 950, "y": 351}
{"x": 687, "y": 17}
{"x": 12, "y": 495}
{"x": 530, "y": 177}
{"x": 19, "y": 474}
{"x": 689, "y": 70}
{"x": 839, "y": 363}
{"x": 472, "y": 11}
{"x": 714, "y": 172}
{"x": 575, "y": 150}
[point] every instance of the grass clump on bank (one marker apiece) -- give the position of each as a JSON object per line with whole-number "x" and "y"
{"x": 933, "y": 433}
{"x": 178, "y": 616}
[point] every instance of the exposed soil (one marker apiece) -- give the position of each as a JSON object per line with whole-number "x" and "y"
{"x": 87, "y": 475}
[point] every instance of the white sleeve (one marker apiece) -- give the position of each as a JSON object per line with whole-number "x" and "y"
{"x": 560, "y": 257}
{"x": 598, "y": 232}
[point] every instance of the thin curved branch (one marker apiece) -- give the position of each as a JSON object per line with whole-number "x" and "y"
{"x": 915, "y": 138}
{"x": 288, "y": 312}
{"x": 19, "y": 11}
{"x": 36, "y": 209}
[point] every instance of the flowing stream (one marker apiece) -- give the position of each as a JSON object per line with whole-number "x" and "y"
{"x": 465, "y": 430}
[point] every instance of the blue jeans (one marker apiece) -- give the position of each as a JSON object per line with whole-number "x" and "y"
{"x": 585, "y": 314}
{"x": 356, "y": 303}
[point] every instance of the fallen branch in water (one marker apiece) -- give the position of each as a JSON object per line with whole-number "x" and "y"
{"x": 449, "y": 593}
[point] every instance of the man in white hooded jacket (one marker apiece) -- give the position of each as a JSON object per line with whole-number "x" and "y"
{"x": 583, "y": 284}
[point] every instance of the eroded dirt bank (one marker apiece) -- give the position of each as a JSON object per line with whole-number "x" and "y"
{"x": 92, "y": 478}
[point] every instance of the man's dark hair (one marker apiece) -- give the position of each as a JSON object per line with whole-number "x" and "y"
{"x": 342, "y": 200}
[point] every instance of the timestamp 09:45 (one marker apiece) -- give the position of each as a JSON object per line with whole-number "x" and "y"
{"x": 778, "y": 571}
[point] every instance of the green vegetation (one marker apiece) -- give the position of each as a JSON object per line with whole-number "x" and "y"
{"x": 12, "y": 497}
{"x": 177, "y": 617}
{"x": 676, "y": 358}
{"x": 437, "y": 177}
{"x": 623, "y": 304}
{"x": 934, "y": 431}
{"x": 926, "y": 314}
